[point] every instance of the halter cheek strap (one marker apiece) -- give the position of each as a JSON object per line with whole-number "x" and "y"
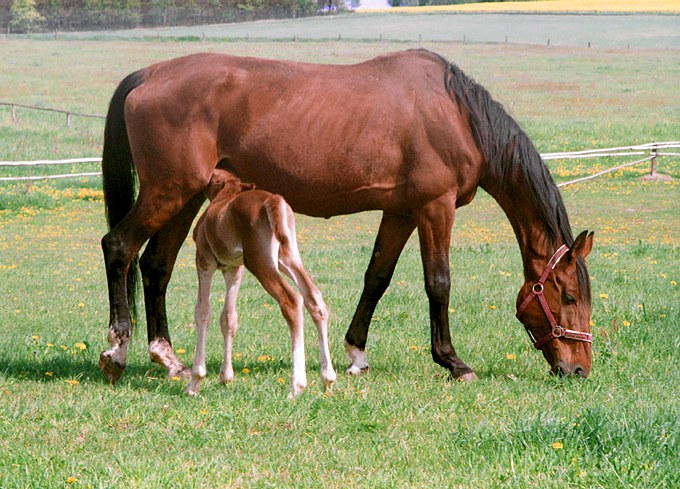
{"x": 557, "y": 331}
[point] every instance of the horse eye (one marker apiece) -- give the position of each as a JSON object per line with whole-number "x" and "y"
{"x": 568, "y": 299}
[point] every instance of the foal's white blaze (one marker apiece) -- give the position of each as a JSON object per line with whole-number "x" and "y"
{"x": 358, "y": 358}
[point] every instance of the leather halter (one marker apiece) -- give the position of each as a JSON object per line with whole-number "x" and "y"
{"x": 537, "y": 291}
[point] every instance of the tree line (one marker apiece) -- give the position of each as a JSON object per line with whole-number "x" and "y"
{"x": 17, "y": 16}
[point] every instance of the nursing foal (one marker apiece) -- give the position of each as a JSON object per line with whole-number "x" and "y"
{"x": 251, "y": 227}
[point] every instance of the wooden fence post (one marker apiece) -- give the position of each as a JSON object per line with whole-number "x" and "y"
{"x": 652, "y": 169}
{"x": 14, "y": 114}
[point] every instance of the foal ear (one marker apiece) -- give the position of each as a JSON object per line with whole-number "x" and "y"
{"x": 247, "y": 186}
{"x": 583, "y": 245}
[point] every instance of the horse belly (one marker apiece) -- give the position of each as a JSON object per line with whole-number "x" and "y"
{"x": 324, "y": 163}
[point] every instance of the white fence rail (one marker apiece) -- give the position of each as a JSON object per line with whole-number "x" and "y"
{"x": 651, "y": 150}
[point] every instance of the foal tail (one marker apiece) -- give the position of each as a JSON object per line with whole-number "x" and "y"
{"x": 278, "y": 214}
{"x": 118, "y": 170}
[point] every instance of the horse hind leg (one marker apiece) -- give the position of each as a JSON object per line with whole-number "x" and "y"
{"x": 120, "y": 246}
{"x": 157, "y": 265}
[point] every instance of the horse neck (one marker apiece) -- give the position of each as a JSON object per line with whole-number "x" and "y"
{"x": 535, "y": 243}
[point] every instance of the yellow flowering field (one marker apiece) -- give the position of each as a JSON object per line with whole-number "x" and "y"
{"x": 627, "y": 6}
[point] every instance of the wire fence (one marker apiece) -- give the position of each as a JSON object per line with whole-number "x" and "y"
{"x": 650, "y": 151}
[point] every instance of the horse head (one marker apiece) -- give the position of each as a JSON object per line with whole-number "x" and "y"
{"x": 555, "y": 310}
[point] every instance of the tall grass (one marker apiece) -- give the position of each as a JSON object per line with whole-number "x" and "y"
{"x": 404, "y": 424}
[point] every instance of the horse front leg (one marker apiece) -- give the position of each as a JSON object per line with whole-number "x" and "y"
{"x": 393, "y": 234}
{"x": 157, "y": 264}
{"x": 435, "y": 221}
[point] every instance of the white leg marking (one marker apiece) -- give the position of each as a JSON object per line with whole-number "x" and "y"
{"x": 357, "y": 357}
{"x": 291, "y": 263}
{"x": 160, "y": 351}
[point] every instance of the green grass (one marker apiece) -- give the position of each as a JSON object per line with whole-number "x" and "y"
{"x": 404, "y": 424}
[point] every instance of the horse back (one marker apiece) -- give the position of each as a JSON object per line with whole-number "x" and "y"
{"x": 332, "y": 139}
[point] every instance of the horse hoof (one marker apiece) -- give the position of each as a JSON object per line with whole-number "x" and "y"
{"x": 111, "y": 369}
{"x": 468, "y": 377}
{"x": 180, "y": 370}
{"x": 354, "y": 370}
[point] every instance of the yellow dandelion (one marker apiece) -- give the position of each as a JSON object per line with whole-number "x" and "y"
{"x": 626, "y": 323}
{"x": 591, "y": 323}
{"x": 81, "y": 305}
{"x": 181, "y": 351}
{"x": 63, "y": 347}
{"x": 557, "y": 445}
{"x": 246, "y": 370}
{"x": 49, "y": 374}
{"x": 175, "y": 378}
{"x": 72, "y": 381}
{"x": 50, "y": 345}
{"x": 71, "y": 480}
{"x": 264, "y": 358}
{"x": 604, "y": 296}
{"x": 81, "y": 346}
{"x": 414, "y": 348}
{"x": 511, "y": 357}
{"x": 35, "y": 337}
{"x": 492, "y": 307}
{"x": 674, "y": 283}
{"x": 280, "y": 380}
{"x": 204, "y": 412}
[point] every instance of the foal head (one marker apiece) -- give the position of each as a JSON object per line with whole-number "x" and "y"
{"x": 225, "y": 184}
{"x": 556, "y": 310}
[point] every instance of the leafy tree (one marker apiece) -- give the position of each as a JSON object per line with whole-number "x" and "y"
{"x": 25, "y": 16}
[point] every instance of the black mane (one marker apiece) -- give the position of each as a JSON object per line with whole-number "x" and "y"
{"x": 512, "y": 159}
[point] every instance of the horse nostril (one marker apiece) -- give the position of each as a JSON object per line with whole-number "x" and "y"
{"x": 579, "y": 370}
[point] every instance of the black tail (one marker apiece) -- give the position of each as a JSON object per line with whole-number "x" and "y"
{"x": 119, "y": 176}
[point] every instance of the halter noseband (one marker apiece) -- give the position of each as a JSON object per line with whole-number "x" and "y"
{"x": 537, "y": 291}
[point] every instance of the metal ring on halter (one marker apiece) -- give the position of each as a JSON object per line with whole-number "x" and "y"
{"x": 537, "y": 288}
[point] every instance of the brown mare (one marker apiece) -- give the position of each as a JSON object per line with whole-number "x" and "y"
{"x": 256, "y": 229}
{"x": 407, "y": 133}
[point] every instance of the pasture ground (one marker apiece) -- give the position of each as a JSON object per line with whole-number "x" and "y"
{"x": 404, "y": 424}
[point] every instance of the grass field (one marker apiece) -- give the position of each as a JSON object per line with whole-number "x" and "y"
{"x": 404, "y": 424}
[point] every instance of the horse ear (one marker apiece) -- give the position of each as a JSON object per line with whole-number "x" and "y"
{"x": 247, "y": 186}
{"x": 583, "y": 245}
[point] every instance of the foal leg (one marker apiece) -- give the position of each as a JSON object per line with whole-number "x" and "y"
{"x": 434, "y": 231}
{"x": 229, "y": 320}
{"x": 393, "y": 234}
{"x": 259, "y": 257}
{"x": 205, "y": 270}
{"x": 157, "y": 264}
{"x": 291, "y": 262}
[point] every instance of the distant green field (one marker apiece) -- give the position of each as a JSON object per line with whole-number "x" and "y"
{"x": 404, "y": 424}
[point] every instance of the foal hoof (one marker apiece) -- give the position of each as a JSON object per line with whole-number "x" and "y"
{"x": 468, "y": 377}
{"x": 111, "y": 369}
